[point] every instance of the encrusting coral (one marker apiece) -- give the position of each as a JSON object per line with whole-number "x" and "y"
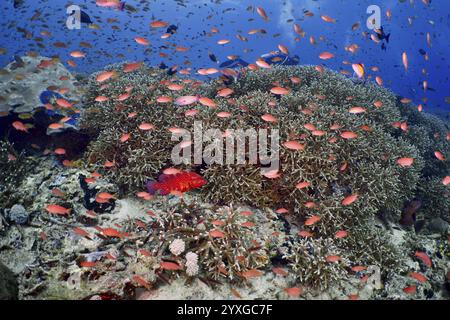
{"x": 344, "y": 152}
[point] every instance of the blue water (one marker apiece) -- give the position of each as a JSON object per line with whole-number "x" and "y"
{"x": 195, "y": 18}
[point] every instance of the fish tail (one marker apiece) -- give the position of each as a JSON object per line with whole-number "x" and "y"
{"x": 122, "y": 5}
{"x": 387, "y": 38}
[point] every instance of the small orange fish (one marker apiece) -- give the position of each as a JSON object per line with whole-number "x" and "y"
{"x": 349, "y": 135}
{"x": 405, "y": 162}
{"x": 328, "y": 19}
{"x": 358, "y": 68}
{"x": 305, "y": 234}
{"x": 248, "y": 224}
{"x": 439, "y": 155}
{"x": 141, "y": 281}
{"x": 279, "y": 91}
{"x": 87, "y": 264}
{"x": 341, "y": 234}
{"x": 410, "y": 289}
{"x": 358, "y": 268}
{"x": 446, "y": 180}
{"x": 142, "y": 41}
{"x": 269, "y": 118}
{"x": 60, "y": 151}
{"x": 262, "y": 13}
{"x": 312, "y": 220}
{"x": 125, "y": 137}
{"x": 207, "y": 102}
{"x": 263, "y": 64}
{"x": 356, "y": 110}
{"x": 58, "y": 193}
{"x": 424, "y": 257}
{"x": 225, "y": 92}
{"x": 294, "y": 291}
{"x": 302, "y": 185}
{"x": 251, "y": 273}
{"x": 349, "y": 199}
{"x": 333, "y": 258}
{"x": 18, "y": 125}
{"x": 112, "y": 233}
{"x": 326, "y": 55}
{"x": 145, "y": 252}
{"x": 146, "y": 126}
{"x": 217, "y": 234}
{"x": 280, "y": 272}
{"x": 81, "y": 232}
{"x": 167, "y": 265}
{"x": 418, "y": 276}
{"x": 57, "y": 209}
{"x": 405, "y": 61}
{"x": 106, "y": 75}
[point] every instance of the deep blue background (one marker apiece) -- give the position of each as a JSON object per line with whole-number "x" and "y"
{"x": 232, "y": 17}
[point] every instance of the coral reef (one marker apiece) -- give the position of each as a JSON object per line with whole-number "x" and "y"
{"x": 352, "y": 158}
{"x": 13, "y": 166}
{"x": 347, "y": 145}
{"x": 25, "y": 79}
{"x": 8, "y": 284}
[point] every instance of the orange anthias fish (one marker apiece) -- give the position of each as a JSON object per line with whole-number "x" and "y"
{"x": 181, "y": 182}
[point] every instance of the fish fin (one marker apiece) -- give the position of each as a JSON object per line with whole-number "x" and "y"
{"x": 122, "y": 6}
{"x": 387, "y": 37}
{"x": 164, "y": 177}
{"x": 152, "y": 187}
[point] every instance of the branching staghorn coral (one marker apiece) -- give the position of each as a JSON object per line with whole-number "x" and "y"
{"x": 346, "y": 144}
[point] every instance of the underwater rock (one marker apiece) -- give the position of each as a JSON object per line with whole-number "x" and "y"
{"x": 9, "y": 289}
{"x": 21, "y": 86}
{"x": 17, "y": 214}
{"x": 438, "y": 225}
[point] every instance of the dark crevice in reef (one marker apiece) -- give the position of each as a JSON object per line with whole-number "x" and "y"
{"x": 36, "y": 139}
{"x": 89, "y": 201}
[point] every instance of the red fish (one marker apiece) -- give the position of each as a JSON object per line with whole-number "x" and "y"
{"x": 181, "y": 182}
{"x": 424, "y": 257}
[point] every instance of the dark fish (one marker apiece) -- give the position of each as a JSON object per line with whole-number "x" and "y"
{"x": 236, "y": 63}
{"x": 163, "y": 66}
{"x": 172, "y": 29}
{"x": 409, "y": 213}
{"x": 213, "y": 57}
{"x": 381, "y": 35}
{"x": 172, "y": 71}
{"x": 85, "y": 17}
{"x": 130, "y": 8}
{"x": 422, "y": 52}
{"x": 17, "y": 3}
{"x": 19, "y": 63}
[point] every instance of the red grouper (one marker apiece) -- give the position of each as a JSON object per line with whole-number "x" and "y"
{"x": 181, "y": 182}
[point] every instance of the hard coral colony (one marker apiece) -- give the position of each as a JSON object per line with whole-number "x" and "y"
{"x": 361, "y": 181}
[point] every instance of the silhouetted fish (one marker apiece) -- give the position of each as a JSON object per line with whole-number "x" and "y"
{"x": 409, "y": 213}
